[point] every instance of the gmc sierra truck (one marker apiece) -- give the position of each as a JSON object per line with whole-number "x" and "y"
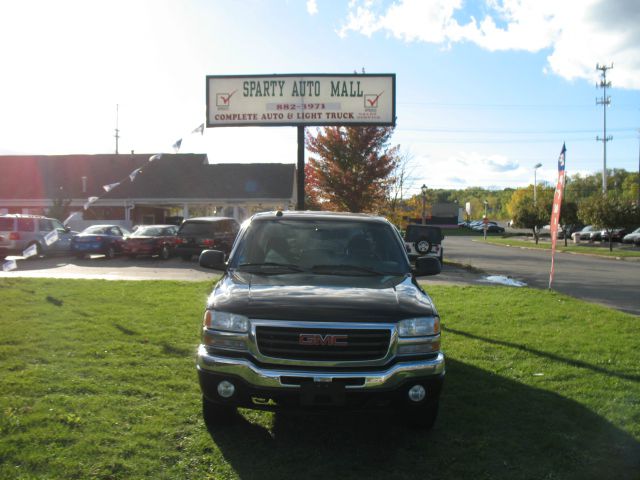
{"x": 320, "y": 311}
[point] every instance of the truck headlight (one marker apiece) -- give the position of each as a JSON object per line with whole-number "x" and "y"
{"x": 419, "y": 327}
{"x": 229, "y": 322}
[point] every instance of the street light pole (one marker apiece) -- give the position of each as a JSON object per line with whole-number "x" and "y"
{"x": 535, "y": 183}
{"x": 424, "y": 203}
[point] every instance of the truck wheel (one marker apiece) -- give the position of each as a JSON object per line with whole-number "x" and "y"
{"x": 110, "y": 253}
{"x": 215, "y": 414}
{"x": 423, "y": 417}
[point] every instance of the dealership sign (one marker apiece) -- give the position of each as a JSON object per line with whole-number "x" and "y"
{"x": 301, "y": 100}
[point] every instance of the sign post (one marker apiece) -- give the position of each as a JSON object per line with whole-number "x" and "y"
{"x": 301, "y": 100}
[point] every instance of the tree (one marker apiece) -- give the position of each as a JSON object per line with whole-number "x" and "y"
{"x": 568, "y": 218}
{"x": 527, "y": 215}
{"x": 609, "y": 212}
{"x": 59, "y": 205}
{"x": 400, "y": 181}
{"x": 351, "y": 167}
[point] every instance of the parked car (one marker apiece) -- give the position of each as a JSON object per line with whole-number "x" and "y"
{"x": 595, "y": 236}
{"x": 492, "y": 227}
{"x": 339, "y": 323}
{"x": 99, "y": 239}
{"x": 421, "y": 240}
{"x": 202, "y": 233}
{"x": 584, "y": 234}
{"x": 616, "y": 235}
{"x": 151, "y": 240}
{"x": 631, "y": 237}
{"x": 47, "y": 235}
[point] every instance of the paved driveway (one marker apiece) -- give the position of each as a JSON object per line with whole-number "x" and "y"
{"x": 116, "y": 269}
{"x": 611, "y": 282}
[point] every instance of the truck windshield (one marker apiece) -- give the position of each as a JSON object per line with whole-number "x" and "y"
{"x": 320, "y": 246}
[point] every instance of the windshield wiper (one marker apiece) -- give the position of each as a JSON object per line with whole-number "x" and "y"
{"x": 269, "y": 267}
{"x": 349, "y": 270}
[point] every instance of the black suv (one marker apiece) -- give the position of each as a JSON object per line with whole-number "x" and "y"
{"x": 320, "y": 310}
{"x": 202, "y": 233}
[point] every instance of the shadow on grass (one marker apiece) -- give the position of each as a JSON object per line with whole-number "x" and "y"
{"x": 125, "y": 330}
{"x": 489, "y": 427}
{"x": 550, "y": 356}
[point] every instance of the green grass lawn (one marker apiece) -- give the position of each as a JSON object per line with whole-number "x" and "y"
{"x": 97, "y": 380}
{"x": 585, "y": 248}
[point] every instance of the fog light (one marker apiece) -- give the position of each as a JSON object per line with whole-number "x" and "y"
{"x": 416, "y": 393}
{"x": 226, "y": 389}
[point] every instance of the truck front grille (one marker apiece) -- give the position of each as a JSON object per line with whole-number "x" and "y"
{"x": 322, "y": 344}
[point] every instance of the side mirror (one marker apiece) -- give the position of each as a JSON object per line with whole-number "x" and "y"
{"x": 213, "y": 259}
{"x": 427, "y": 266}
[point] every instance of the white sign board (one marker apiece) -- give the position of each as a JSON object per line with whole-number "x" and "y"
{"x": 293, "y": 100}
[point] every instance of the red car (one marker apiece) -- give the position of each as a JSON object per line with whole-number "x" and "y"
{"x": 151, "y": 240}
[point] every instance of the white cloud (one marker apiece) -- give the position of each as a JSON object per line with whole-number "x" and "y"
{"x": 578, "y": 35}
{"x": 483, "y": 170}
{"x": 312, "y": 7}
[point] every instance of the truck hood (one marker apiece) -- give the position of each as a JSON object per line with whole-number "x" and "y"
{"x": 321, "y": 298}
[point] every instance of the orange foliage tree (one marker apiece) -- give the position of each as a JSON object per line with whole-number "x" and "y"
{"x": 350, "y": 168}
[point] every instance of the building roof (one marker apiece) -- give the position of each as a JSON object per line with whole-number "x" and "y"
{"x": 175, "y": 176}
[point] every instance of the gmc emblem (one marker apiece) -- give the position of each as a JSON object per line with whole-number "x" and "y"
{"x": 316, "y": 339}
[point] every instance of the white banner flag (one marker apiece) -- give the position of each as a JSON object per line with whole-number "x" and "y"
{"x": 51, "y": 237}
{"x": 108, "y": 188}
{"x": 157, "y": 156}
{"x": 89, "y": 201}
{"x": 30, "y": 251}
{"x": 134, "y": 174}
{"x": 74, "y": 214}
{"x": 9, "y": 265}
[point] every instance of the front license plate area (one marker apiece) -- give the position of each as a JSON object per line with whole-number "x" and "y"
{"x": 322, "y": 394}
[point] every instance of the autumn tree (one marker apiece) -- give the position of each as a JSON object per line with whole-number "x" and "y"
{"x": 351, "y": 167}
{"x": 526, "y": 214}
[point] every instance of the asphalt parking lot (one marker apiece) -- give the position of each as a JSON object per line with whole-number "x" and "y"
{"x": 122, "y": 268}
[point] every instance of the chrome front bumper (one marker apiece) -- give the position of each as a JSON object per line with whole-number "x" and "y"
{"x": 256, "y": 376}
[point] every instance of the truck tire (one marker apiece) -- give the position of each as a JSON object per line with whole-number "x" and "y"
{"x": 215, "y": 414}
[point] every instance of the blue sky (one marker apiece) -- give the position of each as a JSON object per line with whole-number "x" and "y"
{"x": 485, "y": 89}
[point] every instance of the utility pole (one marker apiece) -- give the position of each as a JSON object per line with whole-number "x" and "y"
{"x": 604, "y": 101}
{"x": 117, "y": 135}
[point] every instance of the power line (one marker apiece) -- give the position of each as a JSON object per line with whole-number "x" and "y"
{"x": 511, "y": 132}
{"x": 507, "y": 106}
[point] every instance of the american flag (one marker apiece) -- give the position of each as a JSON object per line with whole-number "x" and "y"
{"x": 555, "y": 211}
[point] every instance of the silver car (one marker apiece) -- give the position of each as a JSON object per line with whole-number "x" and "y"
{"x": 33, "y": 234}
{"x": 633, "y": 237}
